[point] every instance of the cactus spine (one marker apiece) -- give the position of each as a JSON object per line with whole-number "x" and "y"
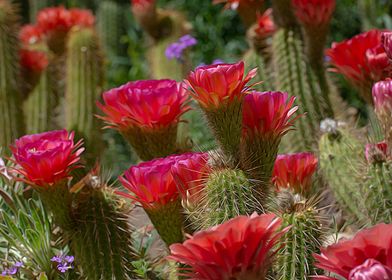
{"x": 228, "y": 193}
{"x": 379, "y": 192}
{"x": 84, "y": 83}
{"x": 295, "y": 259}
{"x": 341, "y": 160}
{"x": 101, "y": 239}
{"x": 11, "y": 117}
{"x": 293, "y": 76}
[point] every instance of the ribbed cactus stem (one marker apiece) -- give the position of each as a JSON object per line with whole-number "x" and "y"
{"x": 41, "y": 103}
{"x": 379, "y": 192}
{"x": 11, "y": 116}
{"x": 226, "y": 124}
{"x": 84, "y": 83}
{"x": 168, "y": 220}
{"x": 150, "y": 144}
{"x": 110, "y": 20}
{"x": 341, "y": 161}
{"x": 36, "y": 5}
{"x": 228, "y": 193}
{"x": 295, "y": 259}
{"x": 101, "y": 238}
{"x": 295, "y": 77}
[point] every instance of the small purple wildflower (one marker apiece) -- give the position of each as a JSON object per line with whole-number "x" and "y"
{"x": 13, "y": 269}
{"x": 64, "y": 263}
{"x": 217, "y": 61}
{"x": 176, "y": 49}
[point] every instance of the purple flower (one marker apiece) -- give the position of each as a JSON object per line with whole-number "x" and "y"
{"x": 13, "y": 269}
{"x": 64, "y": 263}
{"x": 176, "y": 49}
{"x": 69, "y": 259}
{"x": 57, "y": 259}
{"x": 217, "y": 61}
{"x": 63, "y": 267}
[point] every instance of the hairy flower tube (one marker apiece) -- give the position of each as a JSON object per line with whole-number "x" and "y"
{"x": 294, "y": 172}
{"x": 152, "y": 185}
{"x": 355, "y": 60}
{"x": 241, "y": 248}
{"x": 368, "y": 254}
{"x": 47, "y": 158}
{"x": 147, "y": 114}
{"x": 220, "y": 89}
{"x": 267, "y": 116}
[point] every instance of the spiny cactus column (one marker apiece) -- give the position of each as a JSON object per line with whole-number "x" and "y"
{"x": 379, "y": 192}
{"x": 295, "y": 260}
{"x": 41, "y": 102}
{"x": 84, "y": 82}
{"x": 101, "y": 239}
{"x": 228, "y": 194}
{"x": 253, "y": 60}
{"x": 110, "y": 20}
{"x": 292, "y": 75}
{"x": 341, "y": 162}
{"x": 11, "y": 117}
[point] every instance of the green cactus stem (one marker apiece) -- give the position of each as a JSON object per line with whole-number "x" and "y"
{"x": 42, "y": 101}
{"x": 342, "y": 161}
{"x": 295, "y": 77}
{"x": 228, "y": 194}
{"x": 379, "y": 192}
{"x": 84, "y": 83}
{"x": 101, "y": 237}
{"x": 283, "y": 13}
{"x": 11, "y": 116}
{"x": 36, "y": 5}
{"x": 168, "y": 220}
{"x": 110, "y": 25}
{"x": 295, "y": 258}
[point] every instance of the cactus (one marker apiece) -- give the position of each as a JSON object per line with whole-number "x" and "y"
{"x": 41, "y": 102}
{"x": 84, "y": 83}
{"x": 101, "y": 238}
{"x": 110, "y": 20}
{"x": 294, "y": 77}
{"x": 295, "y": 258}
{"x": 11, "y": 117}
{"x": 379, "y": 192}
{"x": 36, "y": 5}
{"x": 228, "y": 194}
{"x": 341, "y": 161}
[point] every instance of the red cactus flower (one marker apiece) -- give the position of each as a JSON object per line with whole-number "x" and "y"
{"x": 82, "y": 17}
{"x": 54, "y": 19}
{"x": 147, "y": 104}
{"x": 314, "y": 12}
{"x": 33, "y": 60}
{"x": 190, "y": 174}
{"x": 352, "y": 59}
{"x": 242, "y": 248}
{"x": 386, "y": 39}
{"x": 294, "y": 171}
{"x": 265, "y": 24}
{"x": 30, "y": 34}
{"x": 378, "y": 63}
{"x": 370, "y": 249}
{"x": 377, "y": 152}
{"x": 268, "y": 114}
{"x": 142, "y": 3}
{"x": 45, "y": 159}
{"x": 152, "y": 183}
{"x": 213, "y": 85}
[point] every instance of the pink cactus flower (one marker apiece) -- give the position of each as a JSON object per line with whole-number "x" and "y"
{"x": 314, "y": 12}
